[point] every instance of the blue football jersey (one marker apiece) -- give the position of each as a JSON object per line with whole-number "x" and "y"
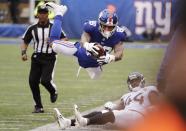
{"x": 85, "y": 60}
{"x": 92, "y": 28}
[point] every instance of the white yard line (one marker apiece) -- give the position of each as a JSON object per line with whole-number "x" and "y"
{"x": 8, "y": 129}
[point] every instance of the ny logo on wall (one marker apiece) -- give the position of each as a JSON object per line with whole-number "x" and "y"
{"x": 155, "y": 15}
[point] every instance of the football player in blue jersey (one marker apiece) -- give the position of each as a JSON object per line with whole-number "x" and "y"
{"x": 105, "y": 32}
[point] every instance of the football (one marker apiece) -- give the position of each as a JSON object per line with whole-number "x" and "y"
{"x": 99, "y": 49}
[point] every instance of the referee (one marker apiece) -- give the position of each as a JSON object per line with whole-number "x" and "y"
{"x": 43, "y": 59}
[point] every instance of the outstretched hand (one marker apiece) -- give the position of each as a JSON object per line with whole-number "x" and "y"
{"x": 106, "y": 59}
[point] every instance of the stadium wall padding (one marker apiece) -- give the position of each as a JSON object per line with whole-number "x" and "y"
{"x": 83, "y": 10}
{"x": 134, "y": 14}
{"x": 12, "y": 30}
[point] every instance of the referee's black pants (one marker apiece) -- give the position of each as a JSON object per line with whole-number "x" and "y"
{"x": 42, "y": 69}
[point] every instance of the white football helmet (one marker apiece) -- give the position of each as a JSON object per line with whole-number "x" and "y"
{"x": 135, "y": 81}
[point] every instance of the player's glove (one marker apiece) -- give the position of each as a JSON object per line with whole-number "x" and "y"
{"x": 109, "y": 105}
{"x": 24, "y": 55}
{"x": 106, "y": 59}
{"x": 90, "y": 47}
{"x": 58, "y": 9}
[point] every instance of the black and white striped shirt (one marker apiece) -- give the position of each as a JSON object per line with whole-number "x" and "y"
{"x": 40, "y": 36}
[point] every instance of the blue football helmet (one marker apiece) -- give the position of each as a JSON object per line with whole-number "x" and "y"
{"x": 108, "y": 22}
{"x": 135, "y": 81}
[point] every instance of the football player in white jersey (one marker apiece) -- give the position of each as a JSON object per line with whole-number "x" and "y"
{"x": 131, "y": 107}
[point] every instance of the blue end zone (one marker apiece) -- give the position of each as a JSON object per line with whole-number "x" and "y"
{"x": 12, "y": 30}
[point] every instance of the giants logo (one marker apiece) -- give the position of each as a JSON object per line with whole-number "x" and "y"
{"x": 155, "y": 14}
{"x": 110, "y": 20}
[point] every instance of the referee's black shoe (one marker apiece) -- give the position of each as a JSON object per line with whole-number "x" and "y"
{"x": 53, "y": 97}
{"x": 38, "y": 110}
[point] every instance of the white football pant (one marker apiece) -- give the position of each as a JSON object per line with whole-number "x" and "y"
{"x": 126, "y": 118}
{"x": 67, "y": 48}
{"x": 64, "y": 47}
{"x": 94, "y": 72}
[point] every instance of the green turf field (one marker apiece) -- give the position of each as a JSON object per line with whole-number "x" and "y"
{"x": 16, "y": 103}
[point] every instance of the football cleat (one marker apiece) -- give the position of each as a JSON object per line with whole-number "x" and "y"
{"x": 81, "y": 121}
{"x": 58, "y": 9}
{"x": 61, "y": 120}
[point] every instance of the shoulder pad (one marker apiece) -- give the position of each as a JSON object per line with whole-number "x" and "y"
{"x": 119, "y": 29}
{"x": 125, "y": 30}
{"x": 92, "y": 23}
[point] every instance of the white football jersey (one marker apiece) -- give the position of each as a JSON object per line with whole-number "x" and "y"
{"x": 139, "y": 100}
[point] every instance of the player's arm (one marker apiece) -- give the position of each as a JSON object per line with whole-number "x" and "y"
{"x": 118, "y": 51}
{"x": 85, "y": 37}
{"x": 118, "y": 54}
{"x": 114, "y": 106}
{"x": 119, "y": 105}
{"x": 153, "y": 97}
{"x": 88, "y": 27}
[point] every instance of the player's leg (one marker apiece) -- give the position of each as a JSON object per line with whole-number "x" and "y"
{"x": 74, "y": 122}
{"x": 59, "y": 46}
{"x": 96, "y": 119}
{"x": 59, "y": 11}
{"x": 92, "y": 114}
{"x": 125, "y": 119}
{"x": 94, "y": 72}
{"x": 62, "y": 121}
{"x": 64, "y": 47}
{"x": 101, "y": 118}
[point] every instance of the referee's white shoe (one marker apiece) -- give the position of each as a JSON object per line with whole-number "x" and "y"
{"x": 79, "y": 119}
{"x": 58, "y": 9}
{"x": 61, "y": 120}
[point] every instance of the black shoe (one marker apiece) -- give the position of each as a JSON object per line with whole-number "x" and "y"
{"x": 38, "y": 110}
{"x": 53, "y": 97}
